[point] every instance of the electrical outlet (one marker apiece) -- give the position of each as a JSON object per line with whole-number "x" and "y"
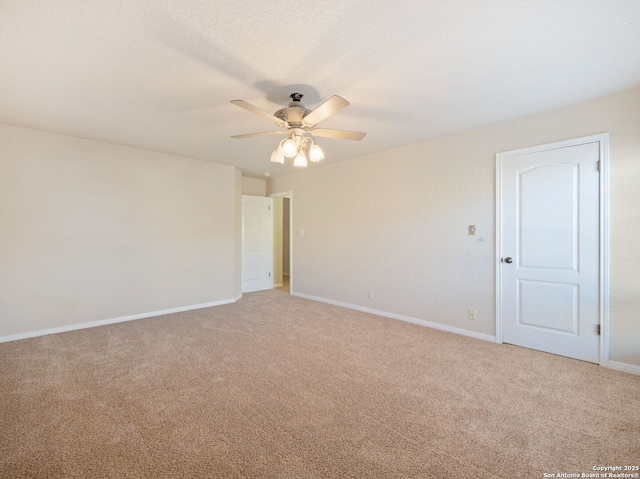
{"x": 472, "y": 314}
{"x": 371, "y": 295}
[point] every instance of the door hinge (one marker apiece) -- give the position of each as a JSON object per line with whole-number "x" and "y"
{"x": 598, "y": 165}
{"x": 598, "y": 329}
{"x": 269, "y": 275}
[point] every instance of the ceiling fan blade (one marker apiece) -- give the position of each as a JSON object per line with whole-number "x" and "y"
{"x": 258, "y": 111}
{"x": 341, "y": 134}
{"x": 249, "y": 135}
{"x": 330, "y": 107}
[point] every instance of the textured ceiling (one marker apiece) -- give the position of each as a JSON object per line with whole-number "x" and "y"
{"x": 160, "y": 75}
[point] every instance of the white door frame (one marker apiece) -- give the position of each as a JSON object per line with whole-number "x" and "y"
{"x": 603, "y": 282}
{"x": 288, "y": 194}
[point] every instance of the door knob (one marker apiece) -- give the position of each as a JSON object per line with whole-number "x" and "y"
{"x": 508, "y": 260}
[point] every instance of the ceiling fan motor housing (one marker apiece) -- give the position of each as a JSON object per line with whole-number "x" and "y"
{"x": 295, "y": 112}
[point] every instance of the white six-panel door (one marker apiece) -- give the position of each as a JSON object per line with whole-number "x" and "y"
{"x": 549, "y": 219}
{"x": 256, "y": 243}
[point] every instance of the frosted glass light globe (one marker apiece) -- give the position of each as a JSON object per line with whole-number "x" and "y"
{"x": 277, "y": 156}
{"x": 316, "y": 153}
{"x": 300, "y": 160}
{"x": 289, "y": 148}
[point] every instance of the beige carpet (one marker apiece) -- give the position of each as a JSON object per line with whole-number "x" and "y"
{"x": 280, "y": 387}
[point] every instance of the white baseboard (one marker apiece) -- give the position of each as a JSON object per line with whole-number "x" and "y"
{"x": 624, "y": 367}
{"x": 618, "y": 366}
{"x": 408, "y": 319}
{"x": 122, "y": 319}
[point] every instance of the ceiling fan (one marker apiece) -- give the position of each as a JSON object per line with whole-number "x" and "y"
{"x": 297, "y": 122}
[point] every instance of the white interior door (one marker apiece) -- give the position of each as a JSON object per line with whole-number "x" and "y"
{"x": 549, "y": 220}
{"x": 256, "y": 243}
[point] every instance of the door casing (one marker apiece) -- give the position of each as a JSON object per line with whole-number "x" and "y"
{"x": 603, "y": 281}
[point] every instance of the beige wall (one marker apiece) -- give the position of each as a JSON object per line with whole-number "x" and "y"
{"x": 254, "y": 186}
{"x": 91, "y": 232}
{"x": 395, "y": 223}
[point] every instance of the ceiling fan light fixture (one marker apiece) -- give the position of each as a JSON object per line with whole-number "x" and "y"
{"x": 289, "y": 148}
{"x": 297, "y": 123}
{"x": 315, "y": 153}
{"x": 300, "y": 159}
{"x": 278, "y": 155}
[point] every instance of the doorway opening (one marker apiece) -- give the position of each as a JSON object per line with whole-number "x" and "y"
{"x": 282, "y": 220}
